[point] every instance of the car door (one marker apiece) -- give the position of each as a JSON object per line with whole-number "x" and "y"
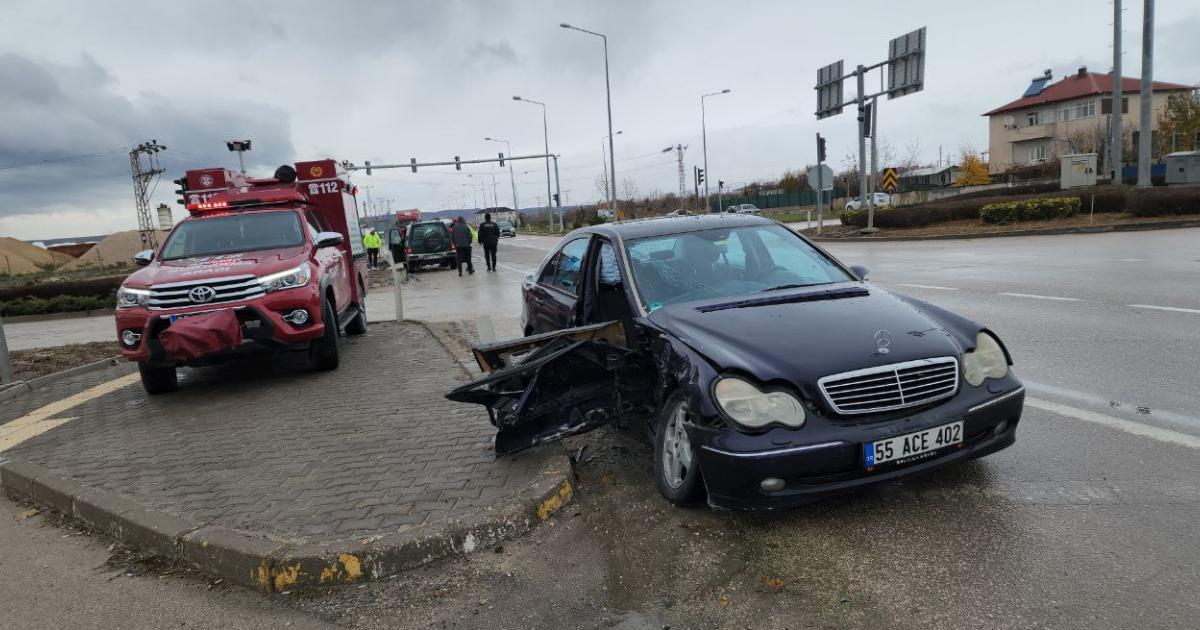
{"x": 546, "y": 387}
{"x": 338, "y": 267}
{"x": 556, "y": 295}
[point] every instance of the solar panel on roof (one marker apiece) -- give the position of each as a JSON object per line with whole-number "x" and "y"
{"x": 1036, "y": 87}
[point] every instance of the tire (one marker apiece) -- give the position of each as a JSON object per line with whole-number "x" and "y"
{"x": 358, "y": 325}
{"x": 323, "y": 352}
{"x": 676, "y": 467}
{"x": 158, "y": 379}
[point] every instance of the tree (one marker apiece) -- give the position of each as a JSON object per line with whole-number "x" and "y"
{"x": 601, "y": 183}
{"x": 629, "y": 189}
{"x": 1179, "y": 123}
{"x": 974, "y": 172}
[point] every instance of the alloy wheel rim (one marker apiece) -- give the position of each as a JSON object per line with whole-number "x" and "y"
{"x": 677, "y": 450}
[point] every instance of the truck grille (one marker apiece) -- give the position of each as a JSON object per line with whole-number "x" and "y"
{"x": 194, "y": 292}
{"x": 889, "y": 387}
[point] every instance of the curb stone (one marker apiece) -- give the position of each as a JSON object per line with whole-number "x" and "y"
{"x": 49, "y": 317}
{"x": 9, "y": 392}
{"x": 270, "y": 565}
{"x": 1083, "y": 229}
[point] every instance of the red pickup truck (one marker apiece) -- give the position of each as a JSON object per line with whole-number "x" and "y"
{"x": 260, "y": 264}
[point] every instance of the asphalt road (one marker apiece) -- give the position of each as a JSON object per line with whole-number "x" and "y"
{"x": 1088, "y": 522}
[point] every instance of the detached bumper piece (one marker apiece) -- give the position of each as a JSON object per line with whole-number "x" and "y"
{"x": 200, "y": 335}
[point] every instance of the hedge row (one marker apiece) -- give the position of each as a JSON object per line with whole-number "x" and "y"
{"x": 56, "y": 304}
{"x": 91, "y": 287}
{"x": 1155, "y": 202}
{"x": 1030, "y": 210}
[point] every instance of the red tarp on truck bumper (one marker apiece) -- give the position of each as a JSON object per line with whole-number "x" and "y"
{"x": 199, "y": 335}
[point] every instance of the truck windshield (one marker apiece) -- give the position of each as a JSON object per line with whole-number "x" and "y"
{"x": 231, "y": 233}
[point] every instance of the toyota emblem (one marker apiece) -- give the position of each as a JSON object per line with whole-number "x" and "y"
{"x": 202, "y": 295}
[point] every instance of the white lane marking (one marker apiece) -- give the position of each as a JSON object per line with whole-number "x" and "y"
{"x": 38, "y": 421}
{"x": 1174, "y": 309}
{"x": 927, "y": 286}
{"x": 1135, "y": 428}
{"x": 1130, "y": 260}
{"x": 1042, "y": 297}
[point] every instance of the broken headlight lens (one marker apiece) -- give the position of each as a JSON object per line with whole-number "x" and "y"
{"x": 296, "y": 277}
{"x": 753, "y": 408}
{"x": 986, "y": 361}
{"x": 128, "y": 298}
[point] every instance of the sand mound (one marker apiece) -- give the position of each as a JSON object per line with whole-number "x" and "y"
{"x": 116, "y": 249}
{"x": 17, "y": 257}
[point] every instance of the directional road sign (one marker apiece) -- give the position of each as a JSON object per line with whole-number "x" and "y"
{"x": 890, "y": 181}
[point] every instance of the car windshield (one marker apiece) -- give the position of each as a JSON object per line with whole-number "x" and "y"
{"x": 505, "y": 225}
{"x": 230, "y": 233}
{"x": 719, "y": 263}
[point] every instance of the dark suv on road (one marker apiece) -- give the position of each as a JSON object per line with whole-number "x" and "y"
{"x": 428, "y": 243}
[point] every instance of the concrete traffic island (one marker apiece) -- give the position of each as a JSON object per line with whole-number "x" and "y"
{"x": 277, "y": 478}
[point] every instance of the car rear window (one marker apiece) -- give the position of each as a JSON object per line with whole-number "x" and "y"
{"x": 231, "y": 233}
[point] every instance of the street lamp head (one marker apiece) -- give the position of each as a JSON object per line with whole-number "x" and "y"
{"x": 725, "y": 91}
{"x": 487, "y": 139}
{"x": 565, "y": 25}
{"x": 516, "y": 98}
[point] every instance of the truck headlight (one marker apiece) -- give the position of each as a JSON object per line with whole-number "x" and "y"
{"x": 289, "y": 279}
{"x": 753, "y": 408}
{"x": 986, "y": 361}
{"x": 128, "y": 298}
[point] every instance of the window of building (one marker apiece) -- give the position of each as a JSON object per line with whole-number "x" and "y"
{"x": 1075, "y": 111}
{"x": 1037, "y": 153}
{"x": 1106, "y": 105}
{"x": 1033, "y": 118}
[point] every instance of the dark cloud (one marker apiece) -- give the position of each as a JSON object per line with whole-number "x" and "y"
{"x": 73, "y": 129}
{"x": 492, "y": 56}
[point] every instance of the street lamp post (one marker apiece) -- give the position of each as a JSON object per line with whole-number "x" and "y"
{"x": 546, "y": 137}
{"x": 704, "y": 141}
{"x": 612, "y": 162}
{"x": 604, "y": 164}
{"x": 508, "y": 147}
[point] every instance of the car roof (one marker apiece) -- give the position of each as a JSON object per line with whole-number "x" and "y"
{"x": 663, "y": 226}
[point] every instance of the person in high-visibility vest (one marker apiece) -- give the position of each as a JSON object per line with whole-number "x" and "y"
{"x": 372, "y": 242}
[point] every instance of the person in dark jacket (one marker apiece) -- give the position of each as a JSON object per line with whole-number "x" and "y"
{"x": 489, "y": 236}
{"x": 461, "y": 235}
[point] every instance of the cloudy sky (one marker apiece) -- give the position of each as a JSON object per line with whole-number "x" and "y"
{"x": 387, "y": 81}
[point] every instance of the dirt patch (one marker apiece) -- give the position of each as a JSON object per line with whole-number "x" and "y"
{"x": 974, "y": 227}
{"x": 19, "y": 257}
{"x": 379, "y": 277}
{"x": 28, "y": 364}
{"x": 115, "y": 249}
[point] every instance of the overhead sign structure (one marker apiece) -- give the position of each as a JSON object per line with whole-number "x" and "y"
{"x": 829, "y": 90}
{"x": 891, "y": 180}
{"x": 906, "y": 64}
{"x": 820, "y": 175}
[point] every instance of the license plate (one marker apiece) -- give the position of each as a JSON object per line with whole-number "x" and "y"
{"x": 904, "y": 447}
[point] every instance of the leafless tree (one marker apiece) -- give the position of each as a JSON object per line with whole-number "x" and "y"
{"x": 629, "y": 189}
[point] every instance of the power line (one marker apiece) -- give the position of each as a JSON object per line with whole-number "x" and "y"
{"x": 64, "y": 158}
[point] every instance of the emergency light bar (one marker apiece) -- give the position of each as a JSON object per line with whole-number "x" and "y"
{"x": 208, "y": 205}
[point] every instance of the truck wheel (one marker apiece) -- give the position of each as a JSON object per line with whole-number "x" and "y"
{"x": 158, "y": 379}
{"x": 358, "y": 325}
{"x": 323, "y": 352}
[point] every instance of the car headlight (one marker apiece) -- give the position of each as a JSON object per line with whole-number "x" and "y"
{"x": 290, "y": 279}
{"x": 128, "y": 298}
{"x": 753, "y": 408}
{"x": 986, "y": 361}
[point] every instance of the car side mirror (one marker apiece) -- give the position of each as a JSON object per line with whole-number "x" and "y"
{"x": 143, "y": 257}
{"x": 329, "y": 239}
{"x": 861, "y": 272}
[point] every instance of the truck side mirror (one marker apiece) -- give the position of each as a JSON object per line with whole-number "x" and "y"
{"x": 861, "y": 272}
{"x": 328, "y": 239}
{"x": 143, "y": 257}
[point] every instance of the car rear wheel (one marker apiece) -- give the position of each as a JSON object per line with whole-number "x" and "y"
{"x": 676, "y": 469}
{"x": 358, "y": 325}
{"x": 158, "y": 379}
{"x": 323, "y": 351}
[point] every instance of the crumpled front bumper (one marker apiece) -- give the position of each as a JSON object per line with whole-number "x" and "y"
{"x": 833, "y": 463}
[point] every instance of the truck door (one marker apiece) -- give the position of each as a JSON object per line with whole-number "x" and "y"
{"x": 335, "y": 263}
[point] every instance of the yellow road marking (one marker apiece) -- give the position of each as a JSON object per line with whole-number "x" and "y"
{"x": 39, "y": 420}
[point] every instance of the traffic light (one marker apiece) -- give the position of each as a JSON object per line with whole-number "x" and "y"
{"x": 556, "y": 201}
{"x": 864, "y": 120}
{"x": 181, "y": 191}
{"x": 457, "y": 164}
{"x": 501, "y": 159}
{"x": 820, "y": 149}
{"x": 720, "y": 184}
{"x": 699, "y": 176}
{"x": 413, "y": 162}
{"x": 367, "y": 163}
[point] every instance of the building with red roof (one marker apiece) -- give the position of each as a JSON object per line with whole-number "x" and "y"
{"x": 1069, "y": 116}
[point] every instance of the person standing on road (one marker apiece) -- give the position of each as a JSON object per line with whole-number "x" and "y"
{"x": 489, "y": 237}
{"x": 461, "y": 235}
{"x": 372, "y": 242}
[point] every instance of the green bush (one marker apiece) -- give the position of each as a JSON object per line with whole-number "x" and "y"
{"x": 90, "y": 287}
{"x": 1161, "y": 201}
{"x": 56, "y": 304}
{"x": 1030, "y": 210}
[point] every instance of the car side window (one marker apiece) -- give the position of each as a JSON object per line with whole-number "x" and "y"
{"x": 570, "y": 264}
{"x": 551, "y": 268}
{"x": 610, "y": 273}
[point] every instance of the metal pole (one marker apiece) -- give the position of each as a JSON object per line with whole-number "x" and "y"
{"x": 397, "y": 280}
{"x": 1146, "y": 133}
{"x": 6, "y": 373}
{"x": 862, "y": 153}
{"x": 612, "y": 160}
{"x": 820, "y": 190}
{"x": 1114, "y": 118}
{"x": 874, "y": 152}
{"x": 546, "y": 139}
{"x": 704, "y": 143}
{"x": 241, "y": 162}
{"x": 511, "y": 178}
{"x": 558, "y": 193}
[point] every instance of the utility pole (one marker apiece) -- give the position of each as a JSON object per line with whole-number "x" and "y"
{"x": 704, "y": 140}
{"x": 142, "y": 177}
{"x": 6, "y": 375}
{"x": 679, "y": 148}
{"x": 1146, "y": 132}
{"x": 1115, "y": 152}
{"x": 862, "y": 149}
{"x": 874, "y": 152}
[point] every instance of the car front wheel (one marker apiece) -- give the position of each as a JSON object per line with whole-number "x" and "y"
{"x": 323, "y": 351}
{"x": 676, "y": 469}
{"x": 158, "y": 379}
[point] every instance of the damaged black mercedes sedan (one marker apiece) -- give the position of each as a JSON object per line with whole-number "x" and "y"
{"x": 766, "y": 372}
